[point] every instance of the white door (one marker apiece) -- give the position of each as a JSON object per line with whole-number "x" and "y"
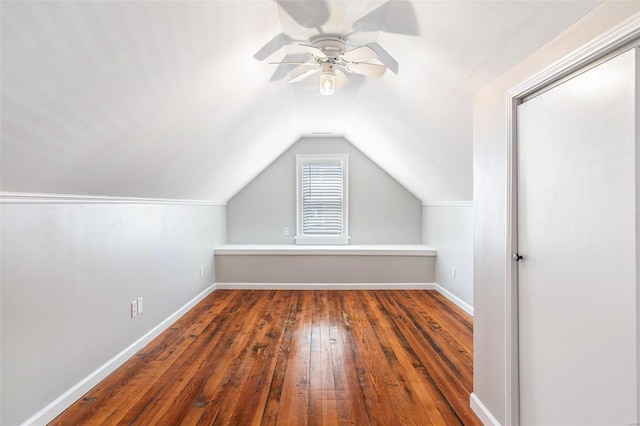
{"x": 576, "y": 233}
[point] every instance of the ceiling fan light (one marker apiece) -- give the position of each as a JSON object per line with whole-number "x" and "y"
{"x": 327, "y": 83}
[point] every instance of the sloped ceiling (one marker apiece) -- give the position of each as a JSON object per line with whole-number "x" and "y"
{"x": 165, "y": 99}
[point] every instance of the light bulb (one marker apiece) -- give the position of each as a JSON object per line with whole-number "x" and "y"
{"x": 328, "y": 82}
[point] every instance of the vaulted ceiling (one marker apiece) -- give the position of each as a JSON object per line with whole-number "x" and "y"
{"x": 176, "y": 99}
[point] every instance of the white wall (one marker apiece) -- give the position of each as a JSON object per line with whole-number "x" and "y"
{"x": 490, "y": 257}
{"x": 449, "y": 228}
{"x": 638, "y": 230}
{"x": 381, "y": 211}
{"x": 69, "y": 273}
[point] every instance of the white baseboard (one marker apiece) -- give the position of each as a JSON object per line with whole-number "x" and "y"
{"x": 482, "y": 412}
{"x": 326, "y": 286}
{"x": 64, "y": 401}
{"x": 455, "y": 299}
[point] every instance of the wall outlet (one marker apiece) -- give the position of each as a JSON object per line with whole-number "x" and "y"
{"x": 139, "y": 305}
{"x": 453, "y": 272}
{"x": 201, "y": 271}
{"x": 285, "y": 232}
{"x": 134, "y": 308}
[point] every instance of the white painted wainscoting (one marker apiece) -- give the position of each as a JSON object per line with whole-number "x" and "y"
{"x": 70, "y": 268}
{"x": 448, "y": 226}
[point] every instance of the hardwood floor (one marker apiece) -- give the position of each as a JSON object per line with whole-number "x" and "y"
{"x": 294, "y": 358}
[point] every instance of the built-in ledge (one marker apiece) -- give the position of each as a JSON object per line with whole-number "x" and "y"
{"x": 353, "y": 250}
{"x": 289, "y": 263}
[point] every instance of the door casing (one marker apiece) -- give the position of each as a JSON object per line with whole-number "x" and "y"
{"x": 620, "y": 38}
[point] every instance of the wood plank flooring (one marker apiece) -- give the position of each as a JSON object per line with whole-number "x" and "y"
{"x": 296, "y": 358}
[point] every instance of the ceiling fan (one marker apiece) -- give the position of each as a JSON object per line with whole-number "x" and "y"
{"x": 327, "y": 54}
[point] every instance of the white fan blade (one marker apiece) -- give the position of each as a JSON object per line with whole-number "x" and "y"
{"x": 292, "y": 63}
{"x": 277, "y": 43}
{"x": 395, "y": 16}
{"x": 385, "y": 57}
{"x": 359, "y": 54}
{"x": 302, "y": 72}
{"x": 371, "y": 70}
{"x": 289, "y": 63}
{"x": 341, "y": 79}
{"x": 308, "y": 13}
{"x": 313, "y": 50}
{"x": 295, "y": 59}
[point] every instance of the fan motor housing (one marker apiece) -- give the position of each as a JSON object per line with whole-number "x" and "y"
{"x": 332, "y": 45}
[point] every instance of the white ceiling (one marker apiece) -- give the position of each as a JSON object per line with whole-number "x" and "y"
{"x": 165, "y": 99}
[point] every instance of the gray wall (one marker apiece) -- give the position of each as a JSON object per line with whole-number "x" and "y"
{"x": 69, "y": 273}
{"x": 325, "y": 269}
{"x": 489, "y": 164}
{"x": 449, "y": 229}
{"x": 381, "y": 211}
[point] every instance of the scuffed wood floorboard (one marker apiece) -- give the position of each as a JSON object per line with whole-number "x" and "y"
{"x": 293, "y": 357}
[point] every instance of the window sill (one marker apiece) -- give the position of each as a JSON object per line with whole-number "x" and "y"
{"x": 322, "y": 240}
{"x": 315, "y": 250}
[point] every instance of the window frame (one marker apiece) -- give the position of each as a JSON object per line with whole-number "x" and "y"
{"x": 344, "y": 237}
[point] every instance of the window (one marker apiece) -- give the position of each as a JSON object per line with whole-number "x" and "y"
{"x": 322, "y": 199}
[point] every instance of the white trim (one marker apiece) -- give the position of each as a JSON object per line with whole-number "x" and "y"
{"x": 343, "y": 238}
{"x": 64, "y": 401}
{"x": 37, "y": 198}
{"x": 455, "y": 299}
{"x": 512, "y": 385}
{"x": 322, "y": 239}
{"x": 617, "y": 37}
{"x": 322, "y": 134}
{"x": 326, "y": 286}
{"x": 448, "y": 203}
{"x": 328, "y": 250}
{"x": 610, "y": 41}
{"x": 481, "y": 411}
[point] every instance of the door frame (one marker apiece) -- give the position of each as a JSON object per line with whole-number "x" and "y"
{"x": 624, "y": 36}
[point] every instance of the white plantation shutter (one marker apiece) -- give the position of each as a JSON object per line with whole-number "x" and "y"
{"x": 321, "y": 199}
